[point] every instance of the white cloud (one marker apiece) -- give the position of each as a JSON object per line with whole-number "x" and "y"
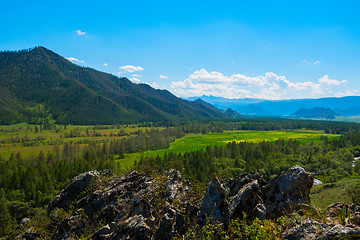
{"x": 305, "y": 61}
{"x": 134, "y": 80}
{"x": 136, "y": 75}
{"x": 80, "y": 33}
{"x": 156, "y": 85}
{"x": 131, "y": 68}
{"x": 163, "y": 76}
{"x": 268, "y": 86}
{"x": 105, "y": 64}
{"x": 75, "y": 60}
{"x": 316, "y": 62}
{"x": 325, "y": 80}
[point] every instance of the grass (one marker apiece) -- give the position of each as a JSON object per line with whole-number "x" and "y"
{"x": 325, "y": 194}
{"x": 192, "y": 142}
{"x": 52, "y": 139}
{"x": 12, "y": 136}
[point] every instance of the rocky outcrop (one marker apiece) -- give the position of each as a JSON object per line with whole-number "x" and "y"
{"x": 136, "y": 206}
{"x": 286, "y": 191}
{"x": 214, "y": 206}
{"x": 73, "y": 189}
{"x": 258, "y": 198}
{"x": 313, "y": 230}
{"x": 178, "y": 188}
{"x": 129, "y": 206}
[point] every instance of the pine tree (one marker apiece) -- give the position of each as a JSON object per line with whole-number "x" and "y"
{"x": 5, "y": 217}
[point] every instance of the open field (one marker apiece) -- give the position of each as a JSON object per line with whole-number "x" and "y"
{"x": 31, "y": 139}
{"x": 325, "y": 194}
{"x": 192, "y": 142}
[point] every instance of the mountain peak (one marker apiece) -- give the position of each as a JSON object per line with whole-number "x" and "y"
{"x": 39, "y": 78}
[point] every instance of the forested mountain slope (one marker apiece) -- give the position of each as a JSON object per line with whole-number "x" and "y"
{"x": 39, "y": 84}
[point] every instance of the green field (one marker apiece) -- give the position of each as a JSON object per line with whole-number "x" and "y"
{"x": 192, "y": 142}
{"x": 325, "y": 194}
{"x": 23, "y": 137}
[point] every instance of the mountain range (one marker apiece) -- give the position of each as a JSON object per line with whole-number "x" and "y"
{"x": 344, "y": 106}
{"x": 40, "y": 84}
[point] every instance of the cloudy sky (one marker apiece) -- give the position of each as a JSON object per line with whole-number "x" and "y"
{"x": 233, "y": 49}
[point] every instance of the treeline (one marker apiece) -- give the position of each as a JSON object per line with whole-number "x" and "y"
{"x": 35, "y": 179}
{"x": 258, "y": 124}
{"x": 329, "y": 159}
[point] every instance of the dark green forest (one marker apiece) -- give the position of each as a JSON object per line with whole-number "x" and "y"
{"x": 37, "y": 85}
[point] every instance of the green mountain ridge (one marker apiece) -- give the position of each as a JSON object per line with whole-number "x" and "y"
{"x": 40, "y": 84}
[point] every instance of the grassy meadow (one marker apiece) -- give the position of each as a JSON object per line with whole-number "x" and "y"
{"x": 30, "y": 140}
{"x": 193, "y": 142}
{"x": 325, "y": 194}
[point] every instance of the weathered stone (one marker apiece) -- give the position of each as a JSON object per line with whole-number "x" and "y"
{"x": 77, "y": 185}
{"x": 177, "y": 187}
{"x": 166, "y": 227}
{"x": 308, "y": 230}
{"x": 129, "y": 204}
{"x": 133, "y": 228}
{"x": 260, "y": 211}
{"x": 104, "y": 230}
{"x": 286, "y": 191}
{"x": 214, "y": 206}
{"x": 339, "y": 231}
{"x": 233, "y": 185}
{"x": 245, "y": 200}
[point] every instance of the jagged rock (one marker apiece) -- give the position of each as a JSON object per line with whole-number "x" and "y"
{"x": 177, "y": 187}
{"x": 105, "y": 230}
{"x": 214, "y": 206}
{"x": 311, "y": 230}
{"x": 308, "y": 230}
{"x": 339, "y": 231}
{"x": 133, "y": 228}
{"x": 30, "y": 234}
{"x": 286, "y": 191}
{"x": 260, "y": 211}
{"x": 77, "y": 185}
{"x": 351, "y": 213}
{"x": 233, "y": 185}
{"x": 166, "y": 228}
{"x": 129, "y": 208}
{"x": 245, "y": 200}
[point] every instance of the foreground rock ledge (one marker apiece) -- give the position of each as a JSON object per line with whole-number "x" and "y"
{"x": 136, "y": 206}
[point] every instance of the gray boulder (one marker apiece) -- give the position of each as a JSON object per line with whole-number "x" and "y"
{"x": 245, "y": 200}
{"x": 77, "y": 185}
{"x": 286, "y": 191}
{"x": 214, "y": 206}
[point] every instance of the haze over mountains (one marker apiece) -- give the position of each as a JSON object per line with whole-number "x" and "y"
{"x": 39, "y": 84}
{"x": 345, "y": 106}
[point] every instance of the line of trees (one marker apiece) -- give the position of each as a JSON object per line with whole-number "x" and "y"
{"x": 331, "y": 159}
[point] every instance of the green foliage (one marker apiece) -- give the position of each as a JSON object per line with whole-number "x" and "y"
{"x": 5, "y": 218}
{"x": 267, "y": 158}
{"x": 354, "y": 193}
{"x": 243, "y": 228}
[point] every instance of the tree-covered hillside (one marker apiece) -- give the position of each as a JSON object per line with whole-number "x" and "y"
{"x": 38, "y": 85}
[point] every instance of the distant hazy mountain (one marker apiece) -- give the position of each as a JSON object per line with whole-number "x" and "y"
{"x": 315, "y": 113}
{"x": 233, "y": 113}
{"x": 39, "y": 84}
{"x": 225, "y": 103}
{"x": 349, "y": 106}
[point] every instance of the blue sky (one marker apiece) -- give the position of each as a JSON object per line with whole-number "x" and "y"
{"x": 233, "y": 49}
